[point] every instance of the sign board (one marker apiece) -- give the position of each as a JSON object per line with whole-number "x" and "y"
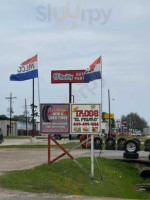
{"x": 55, "y": 118}
{"x": 85, "y": 118}
{"x": 67, "y": 76}
{"x": 106, "y": 116}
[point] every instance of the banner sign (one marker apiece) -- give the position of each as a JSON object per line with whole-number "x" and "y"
{"x": 55, "y": 118}
{"x": 85, "y": 118}
{"x": 27, "y": 70}
{"x": 67, "y": 76}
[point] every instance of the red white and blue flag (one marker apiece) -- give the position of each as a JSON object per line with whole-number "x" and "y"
{"x": 94, "y": 71}
{"x": 27, "y": 70}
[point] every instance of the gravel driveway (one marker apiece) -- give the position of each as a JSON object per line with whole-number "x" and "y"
{"x": 18, "y": 159}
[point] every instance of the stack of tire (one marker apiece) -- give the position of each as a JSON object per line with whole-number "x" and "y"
{"x": 131, "y": 148}
{"x": 110, "y": 144}
{"x": 120, "y": 144}
{"x": 147, "y": 146}
{"x": 98, "y": 142}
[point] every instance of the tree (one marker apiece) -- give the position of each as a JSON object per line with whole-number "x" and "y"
{"x": 3, "y": 116}
{"x": 21, "y": 117}
{"x": 134, "y": 121}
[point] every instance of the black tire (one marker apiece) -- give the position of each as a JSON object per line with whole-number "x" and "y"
{"x": 110, "y": 142}
{"x": 45, "y": 113}
{"x": 120, "y": 143}
{"x": 131, "y": 155}
{"x": 147, "y": 145}
{"x": 57, "y": 137}
{"x": 98, "y": 142}
{"x": 138, "y": 141}
{"x": 131, "y": 146}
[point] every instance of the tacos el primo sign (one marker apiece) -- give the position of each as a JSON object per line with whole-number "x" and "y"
{"x": 85, "y": 118}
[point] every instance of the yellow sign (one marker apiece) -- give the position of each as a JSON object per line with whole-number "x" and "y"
{"x": 106, "y": 116}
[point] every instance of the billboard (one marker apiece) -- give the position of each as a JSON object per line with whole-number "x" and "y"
{"x": 55, "y": 118}
{"x": 67, "y": 76}
{"x": 85, "y": 118}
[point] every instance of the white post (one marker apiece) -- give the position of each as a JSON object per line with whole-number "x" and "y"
{"x": 92, "y": 157}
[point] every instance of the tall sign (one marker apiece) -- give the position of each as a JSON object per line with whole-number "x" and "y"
{"x": 55, "y": 118}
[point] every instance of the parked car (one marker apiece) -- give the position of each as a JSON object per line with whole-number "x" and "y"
{"x": 137, "y": 134}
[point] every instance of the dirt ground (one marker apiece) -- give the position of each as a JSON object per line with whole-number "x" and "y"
{"x": 18, "y": 159}
{"x": 17, "y": 195}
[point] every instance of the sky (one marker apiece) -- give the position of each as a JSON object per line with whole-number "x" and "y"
{"x": 71, "y": 34}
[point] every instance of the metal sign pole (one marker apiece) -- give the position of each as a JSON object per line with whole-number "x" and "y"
{"x": 33, "y": 125}
{"x": 70, "y": 95}
{"x": 92, "y": 157}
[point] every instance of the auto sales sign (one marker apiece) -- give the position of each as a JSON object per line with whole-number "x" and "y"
{"x": 85, "y": 118}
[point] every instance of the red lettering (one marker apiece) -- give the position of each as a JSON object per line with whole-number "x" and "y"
{"x": 87, "y": 113}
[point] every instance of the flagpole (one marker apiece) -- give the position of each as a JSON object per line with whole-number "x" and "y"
{"x": 101, "y": 93}
{"x": 38, "y": 87}
{"x": 33, "y": 126}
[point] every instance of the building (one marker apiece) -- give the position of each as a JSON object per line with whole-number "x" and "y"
{"x": 105, "y": 127}
{"x": 118, "y": 125}
{"x": 146, "y": 131}
{"x": 5, "y": 127}
{"x": 17, "y": 127}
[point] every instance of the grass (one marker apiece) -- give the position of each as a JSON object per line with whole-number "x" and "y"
{"x": 68, "y": 145}
{"x": 120, "y": 179}
{"x": 17, "y": 137}
{"x": 24, "y": 137}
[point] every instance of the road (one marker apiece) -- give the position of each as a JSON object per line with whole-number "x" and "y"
{"x": 16, "y": 195}
{"x": 28, "y": 141}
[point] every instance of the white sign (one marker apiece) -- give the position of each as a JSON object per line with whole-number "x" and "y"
{"x": 85, "y": 118}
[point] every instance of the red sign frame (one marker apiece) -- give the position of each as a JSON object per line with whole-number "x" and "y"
{"x": 67, "y": 76}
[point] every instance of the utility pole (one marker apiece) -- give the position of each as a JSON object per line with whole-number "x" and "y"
{"x": 11, "y": 109}
{"x": 26, "y": 114}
